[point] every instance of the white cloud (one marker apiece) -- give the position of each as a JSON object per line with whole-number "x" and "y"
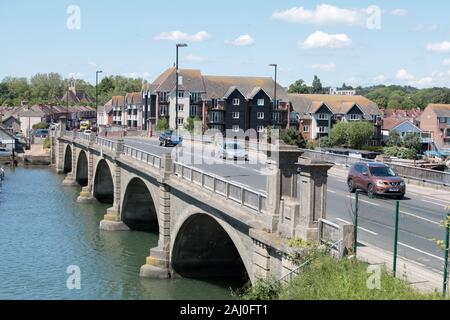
{"x": 321, "y": 39}
{"x": 380, "y": 78}
{"x": 323, "y": 14}
{"x": 324, "y": 67}
{"x": 439, "y": 47}
{"x": 137, "y": 75}
{"x": 422, "y": 27}
{"x": 404, "y": 75}
{"x": 446, "y": 62}
{"x": 399, "y": 12}
{"x": 182, "y": 36}
{"x": 241, "y": 41}
{"x": 193, "y": 58}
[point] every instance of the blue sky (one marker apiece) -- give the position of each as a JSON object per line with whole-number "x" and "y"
{"x": 137, "y": 38}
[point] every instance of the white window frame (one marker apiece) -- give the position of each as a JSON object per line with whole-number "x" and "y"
{"x": 261, "y": 102}
{"x": 180, "y": 94}
{"x": 354, "y": 117}
{"x": 236, "y": 101}
{"x": 305, "y": 129}
{"x": 323, "y": 129}
{"x": 180, "y": 107}
{"x": 235, "y": 128}
{"x": 260, "y": 129}
{"x": 235, "y": 115}
{"x": 323, "y": 116}
{"x": 180, "y": 121}
{"x": 260, "y": 115}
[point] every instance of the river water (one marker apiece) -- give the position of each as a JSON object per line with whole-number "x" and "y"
{"x": 43, "y": 231}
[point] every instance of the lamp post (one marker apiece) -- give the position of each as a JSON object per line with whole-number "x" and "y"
{"x": 275, "y": 105}
{"x": 178, "y": 45}
{"x": 96, "y": 91}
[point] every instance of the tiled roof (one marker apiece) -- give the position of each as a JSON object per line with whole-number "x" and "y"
{"x": 310, "y": 103}
{"x": 222, "y": 86}
{"x": 441, "y": 110}
{"x": 118, "y": 100}
{"x": 191, "y": 80}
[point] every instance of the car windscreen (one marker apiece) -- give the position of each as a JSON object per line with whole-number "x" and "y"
{"x": 382, "y": 172}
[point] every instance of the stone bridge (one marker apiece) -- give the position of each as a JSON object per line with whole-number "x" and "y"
{"x": 208, "y": 226}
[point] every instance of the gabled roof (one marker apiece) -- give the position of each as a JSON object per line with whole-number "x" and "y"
{"x": 191, "y": 80}
{"x": 392, "y": 123}
{"x": 220, "y": 86}
{"x": 108, "y": 106}
{"x": 310, "y": 103}
{"x": 133, "y": 98}
{"x": 118, "y": 100}
{"x": 441, "y": 110}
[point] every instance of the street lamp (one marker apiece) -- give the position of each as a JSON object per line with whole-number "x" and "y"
{"x": 178, "y": 45}
{"x": 96, "y": 92}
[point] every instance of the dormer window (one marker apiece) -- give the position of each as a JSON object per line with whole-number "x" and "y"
{"x": 354, "y": 117}
{"x": 261, "y": 102}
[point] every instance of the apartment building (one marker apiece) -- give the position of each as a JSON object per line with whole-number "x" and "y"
{"x": 317, "y": 113}
{"x": 435, "y": 119}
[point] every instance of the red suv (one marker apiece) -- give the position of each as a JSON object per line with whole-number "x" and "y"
{"x": 375, "y": 178}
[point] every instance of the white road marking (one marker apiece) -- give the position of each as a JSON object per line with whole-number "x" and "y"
{"x": 421, "y": 218}
{"x": 446, "y": 202}
{"x": 360, "y": 228}
{"x": 434, "y": 202}
{"x": 372, "y": 203}
{"x": 421, "y": 251}
{"x": 331, "y": 191}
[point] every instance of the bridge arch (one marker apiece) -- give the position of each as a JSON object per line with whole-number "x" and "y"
{"x": 82, "y": 169}
{"x": 138, "y": 208}
{"x": 68, "y": 159}
{"x": 206, "y": 247}
{"x": 103, "y": 183}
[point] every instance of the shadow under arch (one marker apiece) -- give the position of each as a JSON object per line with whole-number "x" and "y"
{"x": 82, "y": 169}
{"x": 138, "y": 209}
{"x": 103, "y": 183}
{"x": 68, "y": 160}
{"x": 203, "y": 249}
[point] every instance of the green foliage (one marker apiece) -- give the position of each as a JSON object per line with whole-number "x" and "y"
{"x": 310, "y": 145}
{"x": 374, "y": 149}
{"x": 394, "y": 139}
{"x": 44, "y": 88}
{"x": 293, "y": 137}
{"x": 325, "y": 142}
{"x": 353, "y": 134}
{"x": 190, "y": 123}
{"x": 326, "y": 278}
{"x": 299, "y": 86}
{"x": 47, "y": 143}
{"x": 317, "y": 85}
{"x": 401, "y": 152}
{"x": 162, "y": 124}
{"x": 41, "y": 125}
{"x": 261, "y": 290}
{"x": 412, "y": 141}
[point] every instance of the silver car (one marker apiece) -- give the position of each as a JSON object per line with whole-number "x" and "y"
{"x": 5, "y": 152}
{"x": 232, "y": 150}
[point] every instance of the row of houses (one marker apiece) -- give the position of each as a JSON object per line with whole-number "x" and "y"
{"x": 235, "y": 103}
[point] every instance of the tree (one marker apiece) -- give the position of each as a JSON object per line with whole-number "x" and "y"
{"x": 394, "y": 139}
{"x": 190, "y": 123}
{"x": 359, "y": 133}
{"x": 338, "y": 135}
{"x": 412, "y": 141}
{"x": 41, "y": 125}
{"x": 299, "y": 86}
{"x": 317, "y": 85}
{"x": 162, "y": 124}
{"x": 293, "y": 137}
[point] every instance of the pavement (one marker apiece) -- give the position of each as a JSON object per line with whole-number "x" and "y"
{"x": 421, "y": 212}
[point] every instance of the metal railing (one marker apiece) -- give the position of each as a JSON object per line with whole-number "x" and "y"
{"x": 229, "y": 190}
{"x": 82, "y": 136}
{"x": 143, "y": 156}
{"x": 287, "y": 279}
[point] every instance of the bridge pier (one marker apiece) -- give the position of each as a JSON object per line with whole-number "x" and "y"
{"x": 87, "y": 192}
{"x": 157, "y": 264}
{"x": 112, "y": 220}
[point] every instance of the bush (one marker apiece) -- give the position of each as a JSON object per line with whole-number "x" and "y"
{"x": 261, "y": 290}
{"x": 325, "y": 142}
{"x": 162, "y": 124}
{"x": 293, "y": 137}
{"x": 353, "y": 134}
{"x": 190, "y": 123}
{"x": 41, "y": 125}
{"x": 401, "y": 152}
{"x": 310, "y": 145}
{"x": 47, "y": 143}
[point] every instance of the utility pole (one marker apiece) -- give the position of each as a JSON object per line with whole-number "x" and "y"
{"x": 178, "y": 45}
{"x": 96, "y": 95}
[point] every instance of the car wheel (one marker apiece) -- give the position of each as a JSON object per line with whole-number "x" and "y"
{"x": 370, "y": 192}
{"x": 160, "y": 143}
{"x": 165, "y": 143}
{"x": 351, "y": 186}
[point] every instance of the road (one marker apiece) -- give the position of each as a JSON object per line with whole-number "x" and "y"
{"x": 421, "y": 212}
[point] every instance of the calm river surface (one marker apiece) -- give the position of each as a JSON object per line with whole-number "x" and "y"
{"x": 43, "y": 231}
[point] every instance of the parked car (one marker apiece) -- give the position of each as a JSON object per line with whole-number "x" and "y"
{"x": 41, "y": 133}
{"x": 5, "y": 152}
{"x": 375, "y": 178}
{"x": 231, "y": 150}
{"x": 169, "y": 138}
